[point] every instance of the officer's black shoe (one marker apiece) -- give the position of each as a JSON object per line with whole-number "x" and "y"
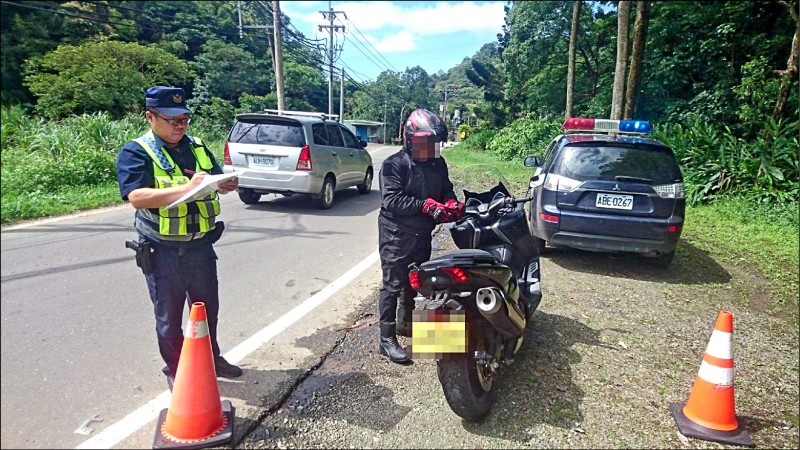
{"x": 170, "y": 381}
{"x": 389, "y": 345}
{"x": 225, "y": 369}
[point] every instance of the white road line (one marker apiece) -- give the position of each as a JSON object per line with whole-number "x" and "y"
{"x": 115, "y": 433}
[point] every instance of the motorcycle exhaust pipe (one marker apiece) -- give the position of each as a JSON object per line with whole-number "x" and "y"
{"x": 495, "y": 308}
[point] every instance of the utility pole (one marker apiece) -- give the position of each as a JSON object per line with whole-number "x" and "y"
{"x": 268, "y": 28}
{"x": 341, "y": 97}
{"x": 384, "y": 121}
{"x": 276, "y": 17}
{"x": 330, "y": 14}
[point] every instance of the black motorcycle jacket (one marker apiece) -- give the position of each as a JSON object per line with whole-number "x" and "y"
{"x": 405, "y": 184}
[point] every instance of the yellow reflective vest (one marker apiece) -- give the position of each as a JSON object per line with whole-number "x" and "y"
{"x": 178, "y": 223}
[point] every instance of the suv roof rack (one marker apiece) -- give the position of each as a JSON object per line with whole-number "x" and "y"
{"x": 302, "y": 113}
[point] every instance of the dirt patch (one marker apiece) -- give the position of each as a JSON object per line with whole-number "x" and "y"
{"x": 614, "y": 342}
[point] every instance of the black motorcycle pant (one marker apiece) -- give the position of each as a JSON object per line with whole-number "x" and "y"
{"x": 398, "y": 249}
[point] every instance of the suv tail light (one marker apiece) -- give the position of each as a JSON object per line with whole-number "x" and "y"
{"x": 553, "y": 182}
{"x": 227, "y": 156}
{"x": 304, "y": 162}
{"x": 675, "y": 190}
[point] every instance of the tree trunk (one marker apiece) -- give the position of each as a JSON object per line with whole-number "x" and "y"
{"x": 788, "y": 75}
{"x": 637, "y": 55}
{"x": 573, "y": 37}
{"x": 623, "y": 24}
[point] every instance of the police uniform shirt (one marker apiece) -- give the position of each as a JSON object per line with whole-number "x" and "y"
{"x": 135, "y": 166}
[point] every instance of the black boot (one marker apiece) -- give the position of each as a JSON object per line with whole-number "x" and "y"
{"x": 389, "y": 345}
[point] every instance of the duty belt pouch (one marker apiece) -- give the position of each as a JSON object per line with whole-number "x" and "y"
{"x": 216, "y": 233}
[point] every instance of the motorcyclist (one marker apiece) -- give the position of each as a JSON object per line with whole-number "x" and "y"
{"x": 417, "y": 193}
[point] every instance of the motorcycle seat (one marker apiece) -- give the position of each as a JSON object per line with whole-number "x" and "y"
{"x": 462, "y": 256}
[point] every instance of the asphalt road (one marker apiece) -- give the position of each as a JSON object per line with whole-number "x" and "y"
{"x": 79, "y": 352}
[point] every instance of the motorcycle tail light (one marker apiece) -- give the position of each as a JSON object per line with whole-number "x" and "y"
{"x": 413, "y": 279}
{"x": 456, "y": 274}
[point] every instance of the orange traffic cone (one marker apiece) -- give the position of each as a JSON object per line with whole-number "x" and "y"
{"x": 710, "y": 413}
{"x": 196, "y": 417}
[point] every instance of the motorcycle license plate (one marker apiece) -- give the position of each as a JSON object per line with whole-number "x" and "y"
{"x": 438, "y": 333}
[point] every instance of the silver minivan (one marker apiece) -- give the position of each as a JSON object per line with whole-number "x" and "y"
{"x": 296, "y": 152}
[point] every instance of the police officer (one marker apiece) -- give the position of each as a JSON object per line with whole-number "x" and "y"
{"x": 153, "y": 171}
{"x": 417, "y": 193}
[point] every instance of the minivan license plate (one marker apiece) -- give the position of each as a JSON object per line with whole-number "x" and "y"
{"x": 262, "y": 161}
{"x": 614, "y": 201}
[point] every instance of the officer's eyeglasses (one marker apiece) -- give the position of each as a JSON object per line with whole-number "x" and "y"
{"x": 174, "y": 122}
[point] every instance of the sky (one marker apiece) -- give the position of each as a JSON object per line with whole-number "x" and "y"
{"x": 395, "y": 35}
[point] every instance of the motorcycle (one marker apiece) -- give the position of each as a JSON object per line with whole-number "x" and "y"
{"x": 474, "y": 304}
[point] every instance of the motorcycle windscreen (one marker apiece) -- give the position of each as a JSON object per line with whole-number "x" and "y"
{"x": 438, "y": 334}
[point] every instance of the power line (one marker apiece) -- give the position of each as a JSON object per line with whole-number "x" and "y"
{"x": 368, "y": 42}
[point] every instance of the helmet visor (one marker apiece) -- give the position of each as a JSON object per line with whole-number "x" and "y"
{"x": 425, "y": 146}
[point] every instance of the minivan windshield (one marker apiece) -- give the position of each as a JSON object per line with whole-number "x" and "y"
{"x": 268, "y": 133}
{"x": 582, "y": 163}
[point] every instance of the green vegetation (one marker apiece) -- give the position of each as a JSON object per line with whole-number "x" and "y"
{"x": 737, "y": 229}
{"x": 64, "y": 166}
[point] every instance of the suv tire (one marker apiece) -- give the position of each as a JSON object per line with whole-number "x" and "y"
{"x": 540, "y": 244}
{"x": 663, "y": 260}
{"x": 324, "y": 200}
{"x": 249, "y": 196}
{"x": 365, "y": 187}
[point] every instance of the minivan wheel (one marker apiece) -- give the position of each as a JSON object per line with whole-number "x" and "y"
{"x": 325, "y": 198}
{"x": 249, "y": 196}
{"x": 365, "y": 187}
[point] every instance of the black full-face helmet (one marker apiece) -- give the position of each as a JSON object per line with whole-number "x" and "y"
{"x": 421, "y": 121}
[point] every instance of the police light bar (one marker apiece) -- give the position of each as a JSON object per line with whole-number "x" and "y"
{"x": 607, "y": 126}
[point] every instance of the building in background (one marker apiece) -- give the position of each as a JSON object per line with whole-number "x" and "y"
{"x": 367, "y": 130}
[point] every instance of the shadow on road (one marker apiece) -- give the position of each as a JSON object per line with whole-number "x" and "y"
{"x": 538, "y": 387}
{"x": 690, "y": 266}
{"x": 347, "y": 202}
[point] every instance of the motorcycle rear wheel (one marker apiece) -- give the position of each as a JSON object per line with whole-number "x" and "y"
{"x": 467, "y": 386}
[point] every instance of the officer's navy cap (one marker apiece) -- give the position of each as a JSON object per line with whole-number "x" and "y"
{"x": 169, "y": 101}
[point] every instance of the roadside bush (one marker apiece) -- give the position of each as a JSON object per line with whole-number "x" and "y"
{"x": 525, "y": 136}
{"x": 717, "y": 163}
{"x": 478, "y": 141}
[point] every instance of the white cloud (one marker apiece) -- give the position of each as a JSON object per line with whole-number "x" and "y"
{"x": 428, "y": 18}
{"x": 396, "y": 43}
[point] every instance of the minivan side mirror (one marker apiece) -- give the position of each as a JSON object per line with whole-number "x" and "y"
{"x": 531, "y": 161}
{"x": 362, "y": 144}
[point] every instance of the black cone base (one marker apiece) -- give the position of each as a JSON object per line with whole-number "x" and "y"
{"x": 688, "y": 428}
{"x": 219, "y": 439}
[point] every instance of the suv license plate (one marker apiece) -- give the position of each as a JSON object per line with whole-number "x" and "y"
{"x": 262, "y": 161}
{"x": 614, "y": 201}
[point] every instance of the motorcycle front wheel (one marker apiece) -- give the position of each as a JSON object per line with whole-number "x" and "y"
{"x": 467, "y": 385}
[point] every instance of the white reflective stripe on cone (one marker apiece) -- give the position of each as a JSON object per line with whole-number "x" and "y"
{"x": 719, "y": 346}
{"x": 196, "y": 330}
{"x": 716, "y": 375}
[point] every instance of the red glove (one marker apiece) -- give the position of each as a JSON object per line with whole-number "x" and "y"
{"x": 455, "y": 208}
{"x": 431, "y": 206}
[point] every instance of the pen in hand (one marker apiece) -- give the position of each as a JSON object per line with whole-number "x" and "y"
{"x": 189, "y": 172}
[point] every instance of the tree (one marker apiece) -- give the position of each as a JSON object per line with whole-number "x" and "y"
{"x": 100, "y": 76}
{"x": 573, "y": 37}
{"x": 639, "y": 40}
{"x": 225, "y": 71}
{"x": 790, "y": 74}
{"x": 623, "y": 22}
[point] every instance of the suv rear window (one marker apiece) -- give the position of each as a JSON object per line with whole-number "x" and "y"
{"x": 581, "y": 162}
{"x": 268, "y": 132}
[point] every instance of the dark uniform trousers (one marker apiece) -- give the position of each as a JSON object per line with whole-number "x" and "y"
{"x": 180, "y": 277}
{"x": 399, "y": 248}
